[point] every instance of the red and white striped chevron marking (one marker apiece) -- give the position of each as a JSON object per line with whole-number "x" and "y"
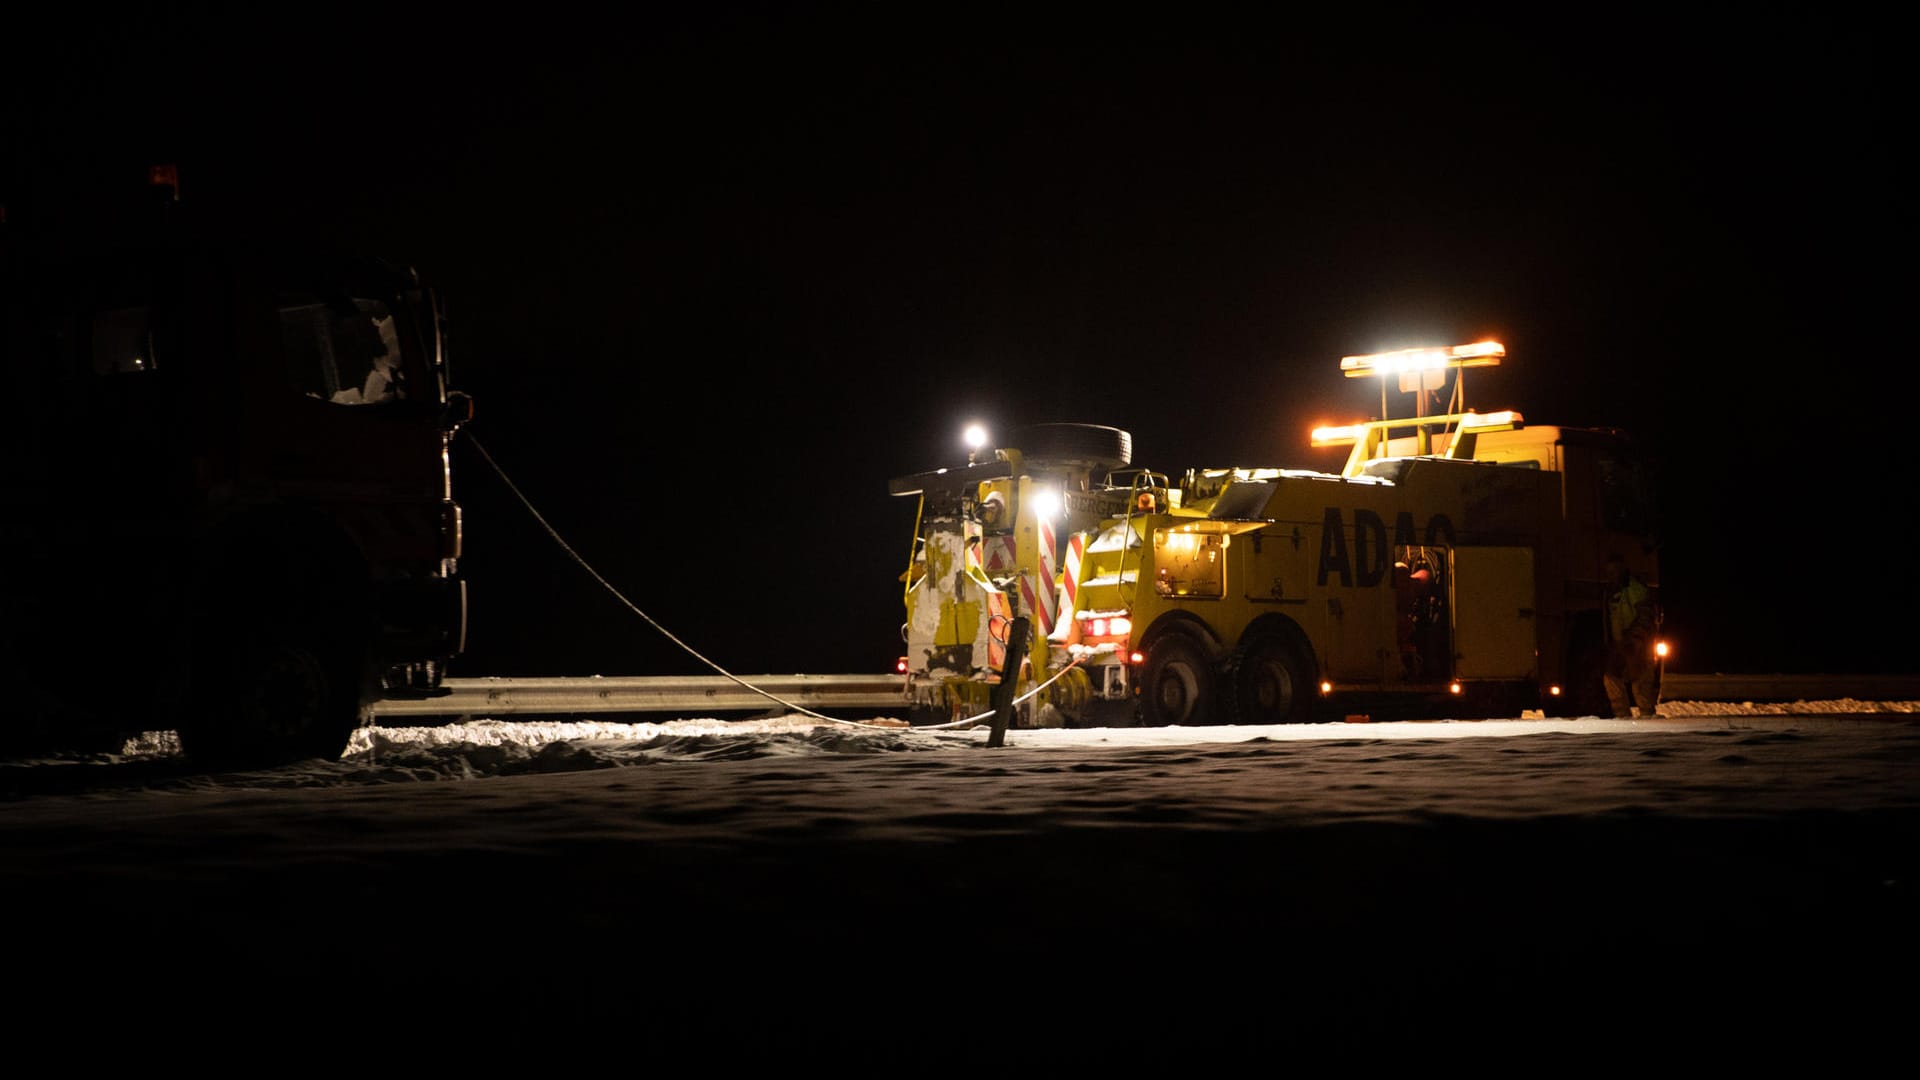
{"x": 1040, "y": 598}
{"x": 1000, "y": 556}
{"x": 1069, "y": 601}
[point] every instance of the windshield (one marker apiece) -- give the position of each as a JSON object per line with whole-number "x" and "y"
{"x": 1627, "y": 496}
{"x": 345, "y": 353}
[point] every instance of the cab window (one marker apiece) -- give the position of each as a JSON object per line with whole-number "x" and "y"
{"x": 1189, "y": 564}
{"x": 1626, "y": 496}
{"x": 344, "y": 353}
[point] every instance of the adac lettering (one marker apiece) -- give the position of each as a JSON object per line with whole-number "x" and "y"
{"x": 1366, "y": 564}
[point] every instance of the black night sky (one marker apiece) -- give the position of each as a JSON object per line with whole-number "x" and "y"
{"x": 715, "y": 276}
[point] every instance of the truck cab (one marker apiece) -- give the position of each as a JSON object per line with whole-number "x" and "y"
{"x": 231, "y": 512}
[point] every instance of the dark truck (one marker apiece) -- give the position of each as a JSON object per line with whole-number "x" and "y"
{"x": 229, "y": 511}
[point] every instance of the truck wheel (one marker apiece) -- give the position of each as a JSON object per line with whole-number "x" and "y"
{"x": 1088, "y": 445}
{"x": 276, "y": 702}
{"x": 1270, "y": 683}
{"x": 1178, "y": 686}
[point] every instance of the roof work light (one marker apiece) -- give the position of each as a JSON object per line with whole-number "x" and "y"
{"x": 1401, "y": 361}
{"x": 1423, "y": 369}
{"x": 1420, "y": 370}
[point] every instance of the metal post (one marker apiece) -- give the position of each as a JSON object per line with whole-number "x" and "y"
{"x": 1002, "y": 699}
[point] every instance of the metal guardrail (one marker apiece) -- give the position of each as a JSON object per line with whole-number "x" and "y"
{"x": 688, "y": 694}
{"x": 1717, "y": 687}
{"x": 703, "y": 695}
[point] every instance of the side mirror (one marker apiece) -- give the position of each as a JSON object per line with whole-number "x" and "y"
{"x": 459, "y": 410}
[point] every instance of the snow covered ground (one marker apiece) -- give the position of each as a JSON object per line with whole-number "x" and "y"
{"x": 480, "y": 748}
{"x": 1737, "y": 884}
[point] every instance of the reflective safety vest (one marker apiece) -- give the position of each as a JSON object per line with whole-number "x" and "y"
{"x": 1630, "y": 611}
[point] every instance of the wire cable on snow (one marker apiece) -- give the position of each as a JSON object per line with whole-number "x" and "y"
{"x": 630, "y": 605}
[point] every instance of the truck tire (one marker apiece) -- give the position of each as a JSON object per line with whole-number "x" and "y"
{"x": 276, "y": 700}
{"x": 1270, "y": 682}
{"x": 1179, "y": 688}
{"x": 1090, "y": 446}
{"x": 279, "y": 672}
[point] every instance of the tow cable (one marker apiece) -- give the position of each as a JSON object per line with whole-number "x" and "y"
{"x": 540, "y": 519}
{"x": 629, "y": 604}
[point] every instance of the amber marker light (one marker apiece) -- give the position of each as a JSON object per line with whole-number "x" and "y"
{"x": 1503, "y": 418}
{"x": 1340, "y": 435}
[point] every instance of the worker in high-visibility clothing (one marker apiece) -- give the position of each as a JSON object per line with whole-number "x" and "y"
{"x": 1631, "y": 675}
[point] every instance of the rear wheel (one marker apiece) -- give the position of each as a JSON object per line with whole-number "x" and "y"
{"x": 1178, "y": 686}
{"x": 1271, "y": 683}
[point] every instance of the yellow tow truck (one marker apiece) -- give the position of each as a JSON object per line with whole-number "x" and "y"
{"x": 1452, "y": 567}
